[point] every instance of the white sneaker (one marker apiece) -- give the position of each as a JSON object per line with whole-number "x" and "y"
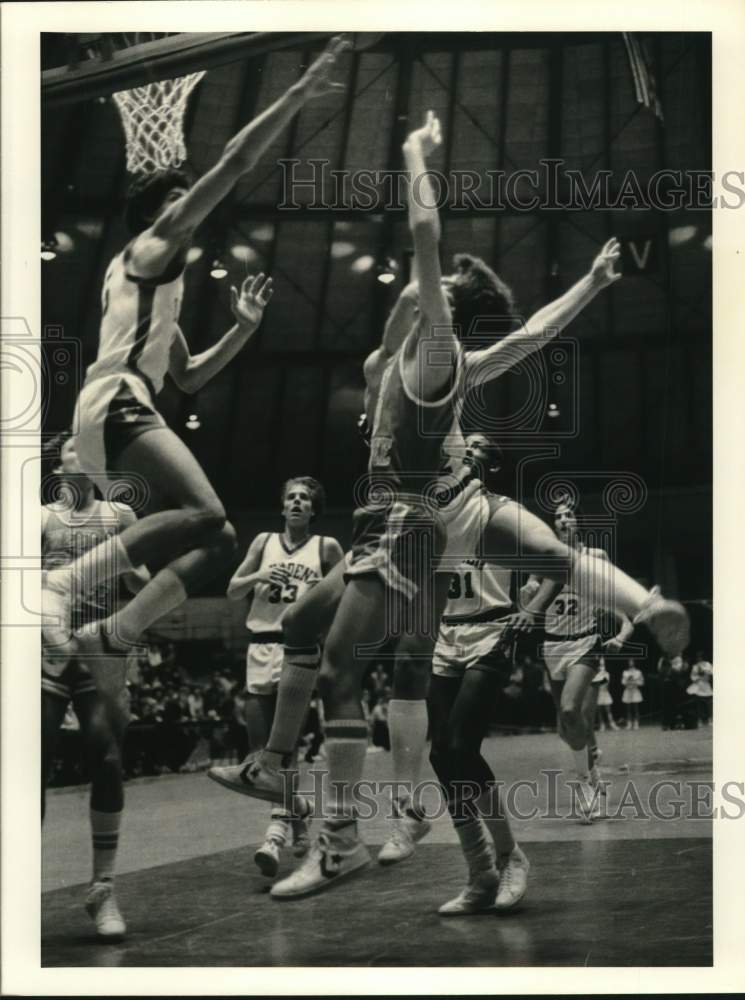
{"x": 478, "y": 896}
{"x": 267, "y": 857}
{"x": 406, "y": 831}
{"x": 513, "y": 880}
{"x": 255, "y": 778}
{"x": 100, "y": 904}
{"x": 329, "y": 860}
{"x": 667, "y": 621}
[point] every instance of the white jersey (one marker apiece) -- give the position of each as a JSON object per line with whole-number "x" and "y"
{"x": 479, "y": 591}
{"x": 139, "y": 322}
{"x": 270, "y": 600}
{"x": 571, "y": 616}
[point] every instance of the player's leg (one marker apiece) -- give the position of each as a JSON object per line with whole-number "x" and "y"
{"x": 53, "y": 708}
{"x": 569, "y": 698}
{"x": 103, "y": 722}
{"x": 359, "y": 624}
{"x": 193, "y": 519}
{"x": 408, "y": 724}
{"x": 259, "y": 776}
{"x": 516, "y": 538}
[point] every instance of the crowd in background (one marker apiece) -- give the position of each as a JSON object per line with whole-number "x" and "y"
{"x": 184, "y": 720}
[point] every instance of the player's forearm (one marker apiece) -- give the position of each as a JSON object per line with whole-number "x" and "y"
{"x": 556, "y": 315}
{"x": 201, "y": 367}
{"x": 422, "y": 202}
{"x": 543, "y": 597}
{"x": 247, "y": 147}
{"x": 540, "y": 329}
{"x": 240, "y": 586}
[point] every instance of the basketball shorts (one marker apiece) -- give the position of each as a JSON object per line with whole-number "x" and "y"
{"x": 468, "y": 645}
{"x": 561, "y": 656}
{"x": 264, "y": 666}
{"x": 110, "y": 413}
{"x": 402, "y": 543}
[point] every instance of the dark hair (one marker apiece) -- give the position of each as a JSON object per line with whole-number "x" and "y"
{"x": 146, "y": 194}
{"x": 483, "y": 304}
{"x": 317, "y": 492}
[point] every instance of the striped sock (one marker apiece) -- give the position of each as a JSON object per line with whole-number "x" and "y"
{"x": 296, "y": 684}
{"x": 346, "y": 746}
{"x": 105, "y": 837}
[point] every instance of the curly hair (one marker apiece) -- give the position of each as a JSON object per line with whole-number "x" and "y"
{"x": 316, "y": 490}
{"x": 146, "y": 194}
{"x": 483, "y": 305}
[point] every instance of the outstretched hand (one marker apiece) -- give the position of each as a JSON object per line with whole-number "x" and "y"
{"x": 248, "y": 306}
{"x": 429, "y": 136}
{"x": 317, "y": 78}
{"x": 602, "y": 269}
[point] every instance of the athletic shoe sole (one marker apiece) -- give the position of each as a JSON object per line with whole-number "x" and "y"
{"x": 265, "y": 795}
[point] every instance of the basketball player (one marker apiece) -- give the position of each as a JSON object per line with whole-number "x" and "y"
{"x": 120, "y": 428}
{"x": 415, "y": 412}
{"x": 472, "y": 661}
{"x": 571, "y": 652}
{"x": 279, "y": 569}
{"x": 74, "y": 522}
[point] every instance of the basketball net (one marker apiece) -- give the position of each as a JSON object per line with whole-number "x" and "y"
{"x": 153, "y": 121}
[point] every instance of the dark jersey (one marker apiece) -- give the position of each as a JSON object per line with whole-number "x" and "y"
{"x": 408, "y": 433}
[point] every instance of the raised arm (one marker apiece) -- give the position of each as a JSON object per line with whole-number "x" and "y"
{"x": 543, "y": 326}
{"x": 191, "y": 372}
{"x": 426, "y": 375}
{"x": 156, "y": 246}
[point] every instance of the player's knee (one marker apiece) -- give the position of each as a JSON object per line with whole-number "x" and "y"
{"x": 208, "y": 518}
{"x": 295, "y": 628}
{"x": 570, "y": 718}
{"x": 226, "y": 540}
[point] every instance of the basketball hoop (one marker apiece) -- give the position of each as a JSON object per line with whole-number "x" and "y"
{"x": 153, "y": 119}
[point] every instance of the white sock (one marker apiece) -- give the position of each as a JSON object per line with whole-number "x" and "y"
{"x": 476, "y": 845}
{"x": 162, "y": 594}
{"x": 606, "y": 586}
{"x": 103, "y": 562}
{"x": 495, "y": 819}
{"x": 407, "y": 724}
{"x": 346, "y": 746}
